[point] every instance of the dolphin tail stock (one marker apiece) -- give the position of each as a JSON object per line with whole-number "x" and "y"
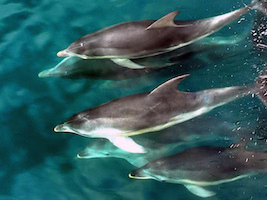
{"x": 260, "y": 5}
{"x": 261, "y": 86}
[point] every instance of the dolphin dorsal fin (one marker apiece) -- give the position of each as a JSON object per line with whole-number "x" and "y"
{"x": 166, "y": 21}
{"x": 169, "y": 86}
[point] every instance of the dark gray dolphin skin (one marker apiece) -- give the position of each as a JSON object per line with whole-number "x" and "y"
{"x": 137, "y": 39}
{"x": 204, "y": 166}
{"x": 152, "y": 111}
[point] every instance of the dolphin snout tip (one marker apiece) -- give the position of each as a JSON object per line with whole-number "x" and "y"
{"x": 62, "y": 53}
{"x": 64, "y": 128}
{"x": 79, "y": 156}
{"x": 44, "y": 74}
{"x": 131, "y": 175}
{"x": 59, "y": 128}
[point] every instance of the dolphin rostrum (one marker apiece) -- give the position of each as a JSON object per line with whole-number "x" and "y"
{"x": 137, "y": 39}
{"x": 152, "y": 111}
{"x": 203, "y": 166}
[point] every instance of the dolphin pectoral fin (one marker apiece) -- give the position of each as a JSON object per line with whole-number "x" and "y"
{"x": 166, "y": 21}
{"x": 199, "y": 191}
{"x": 127, "y": 63}
{"x": 127, "y": 144}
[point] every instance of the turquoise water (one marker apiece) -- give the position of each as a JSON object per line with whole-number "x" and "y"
{"x": 36, "y": 163}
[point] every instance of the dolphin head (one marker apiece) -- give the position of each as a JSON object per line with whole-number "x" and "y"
{"x": 77, "y": 124}
{"x": 80, "y": 48}
{"x": 153, "y": 170}
{"x": 100, "y": 148}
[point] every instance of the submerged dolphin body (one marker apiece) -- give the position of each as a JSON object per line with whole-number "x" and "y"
{"x": 139, "y": 39}
{"x": 152, "y": 111}
{"x": 166, "y": 143}
{"x": 205, "y": 166}
{"x": 102, "y": 148}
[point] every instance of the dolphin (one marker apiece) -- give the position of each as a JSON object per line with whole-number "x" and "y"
{"x": 138, "y": 39}
{"x": 161, "y": 108}
{"x": 102, "y": 148}
{"x": 203, "y": 166}
{"x": 75, "y": 67}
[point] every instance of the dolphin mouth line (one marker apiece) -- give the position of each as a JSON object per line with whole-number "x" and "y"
{"x": 62, "y": 128}
{"x": 136, "y": 177}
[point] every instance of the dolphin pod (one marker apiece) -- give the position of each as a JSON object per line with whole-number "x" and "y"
{"x": 119, "y": 125}
{"x": 138, "y": 39}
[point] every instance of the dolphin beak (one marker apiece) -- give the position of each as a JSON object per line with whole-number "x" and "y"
{"x": 62, "y": 128}
{"x": 81, "y": 155}
{"x": 136, "y": 176}
{"x": 63, "y": 53}
{"x": 45, "y": 73}
{"x": 58, "y": 128}
{"x": 131, "y": 175}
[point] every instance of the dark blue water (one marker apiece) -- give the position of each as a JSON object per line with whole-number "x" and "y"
{"x": 36, "y": 163}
